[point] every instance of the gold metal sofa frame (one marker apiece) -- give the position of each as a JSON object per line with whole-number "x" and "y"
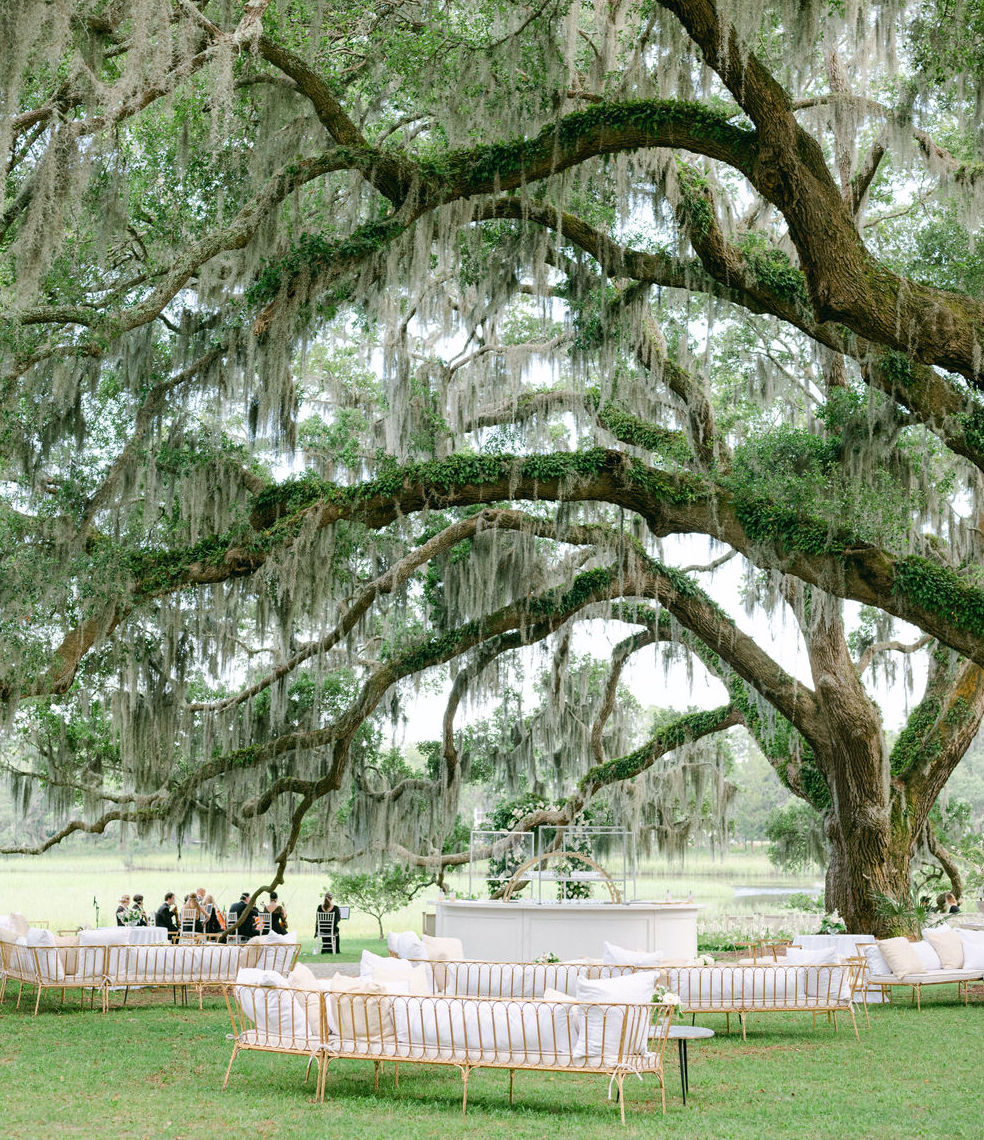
{"x": 743, "y": 990}
{"x": 104, "y": 968}
{"x": 465, "y": 1033}
{"x": 915, "y": 982}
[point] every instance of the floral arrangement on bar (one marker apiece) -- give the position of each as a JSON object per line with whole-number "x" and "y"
{"x": 546, "y": 959}
{"x": 832, "y": 924}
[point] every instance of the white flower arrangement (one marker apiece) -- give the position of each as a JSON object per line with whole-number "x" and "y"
{"x": 704, "y": 960}
{"x": 663, "y": 996}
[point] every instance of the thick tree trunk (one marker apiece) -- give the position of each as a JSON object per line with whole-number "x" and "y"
{"x": 866, "y": 862}
{"x": 870, "y": 845}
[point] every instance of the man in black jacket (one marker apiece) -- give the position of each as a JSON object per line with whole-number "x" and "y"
{"x": 166, "y": 914}
{"x": 248, "y": 928}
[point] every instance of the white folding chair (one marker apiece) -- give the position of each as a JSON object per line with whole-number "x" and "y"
{"x": 327, "y": 932}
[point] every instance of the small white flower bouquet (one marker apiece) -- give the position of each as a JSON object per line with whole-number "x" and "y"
{"x": 704, "y": 960}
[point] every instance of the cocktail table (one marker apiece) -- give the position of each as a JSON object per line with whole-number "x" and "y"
{"x": 682, "y": 1034}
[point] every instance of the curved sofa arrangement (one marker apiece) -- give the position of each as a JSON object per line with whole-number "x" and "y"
{"x": 610, "y": 1027}
{"x": 102, "y": 960}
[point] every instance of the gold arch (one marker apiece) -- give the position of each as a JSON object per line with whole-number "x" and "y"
{"x": 529, "y": 864}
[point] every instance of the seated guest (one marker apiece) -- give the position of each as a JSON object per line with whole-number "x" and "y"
{"x": 278, "y": 915}
{"x": 123, "y": 911}
{"x": 214, "y": 922}
{"x": 138, "y": 916}
{"x": 167, "y": 914}
{"x": 325, "y": 907}
{"x": 248, "y": 928}
{"x": 194, "y": 910}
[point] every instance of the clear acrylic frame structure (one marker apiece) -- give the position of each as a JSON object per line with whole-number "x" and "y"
{"x": 607, "y": 845}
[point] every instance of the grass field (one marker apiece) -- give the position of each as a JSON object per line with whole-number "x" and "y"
{"x": 155, "y": 1070}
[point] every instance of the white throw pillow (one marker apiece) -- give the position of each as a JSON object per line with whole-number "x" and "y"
{"x": 51, "y": 968}
{"x": 948, "y": 946}
{"x": 927, "y": 955}
{"x": 400, "y": 975}
{"x": 18, "y": 923}
{"x": 901, "y": 958}
{"x": 302, "y": 978}
{"x": 620, "y": 956}
{"x": 602, "y": 1030}
{"x": 359, "y": 1008}
{"x": 443, "y": 949}
{"x": 307, "y": 991}
{"x": 876, "y": 960}
{"x": 406, "y": 944}
{"x": 39, "y": 936}
{"x": 973, "y": 948}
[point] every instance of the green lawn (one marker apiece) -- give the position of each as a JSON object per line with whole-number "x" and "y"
{"x": 155, "y": 1069}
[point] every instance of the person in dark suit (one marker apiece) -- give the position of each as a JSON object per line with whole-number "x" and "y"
{"x": 248, "y": 928}
{"x": 166, "y": 914}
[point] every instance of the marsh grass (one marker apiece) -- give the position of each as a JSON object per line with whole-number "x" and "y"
{"x": 155, "y": 1069}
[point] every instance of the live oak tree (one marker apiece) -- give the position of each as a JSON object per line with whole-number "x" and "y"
{"x": 343, "y": 343}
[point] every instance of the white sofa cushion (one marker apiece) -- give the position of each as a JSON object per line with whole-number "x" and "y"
{"x": 795, "y": 956}
{"x": 620, "y": 956}
{"x": 505, "y": 980}
{"x": 39, "y": 936}
{"x": 398, "y": 974}
{"x": 274, "y": 1009}
{"x": 105, "y": 936}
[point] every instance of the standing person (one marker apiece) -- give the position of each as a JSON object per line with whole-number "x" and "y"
{"x": 327, "y": 906}
{"x": 166, "y": 914}
{"x": 278, "y": 914}
{"x": 123, "y": 910}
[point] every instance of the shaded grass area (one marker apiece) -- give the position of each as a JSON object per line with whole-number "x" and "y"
{"x": 156, "y": 1069}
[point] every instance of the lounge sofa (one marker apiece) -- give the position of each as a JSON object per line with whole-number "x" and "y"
{"x": 612, "y": 1028}
{"x": 943, "y": 956}
{"x": 99, "y": 962}
{"x": 742, "y": 990}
